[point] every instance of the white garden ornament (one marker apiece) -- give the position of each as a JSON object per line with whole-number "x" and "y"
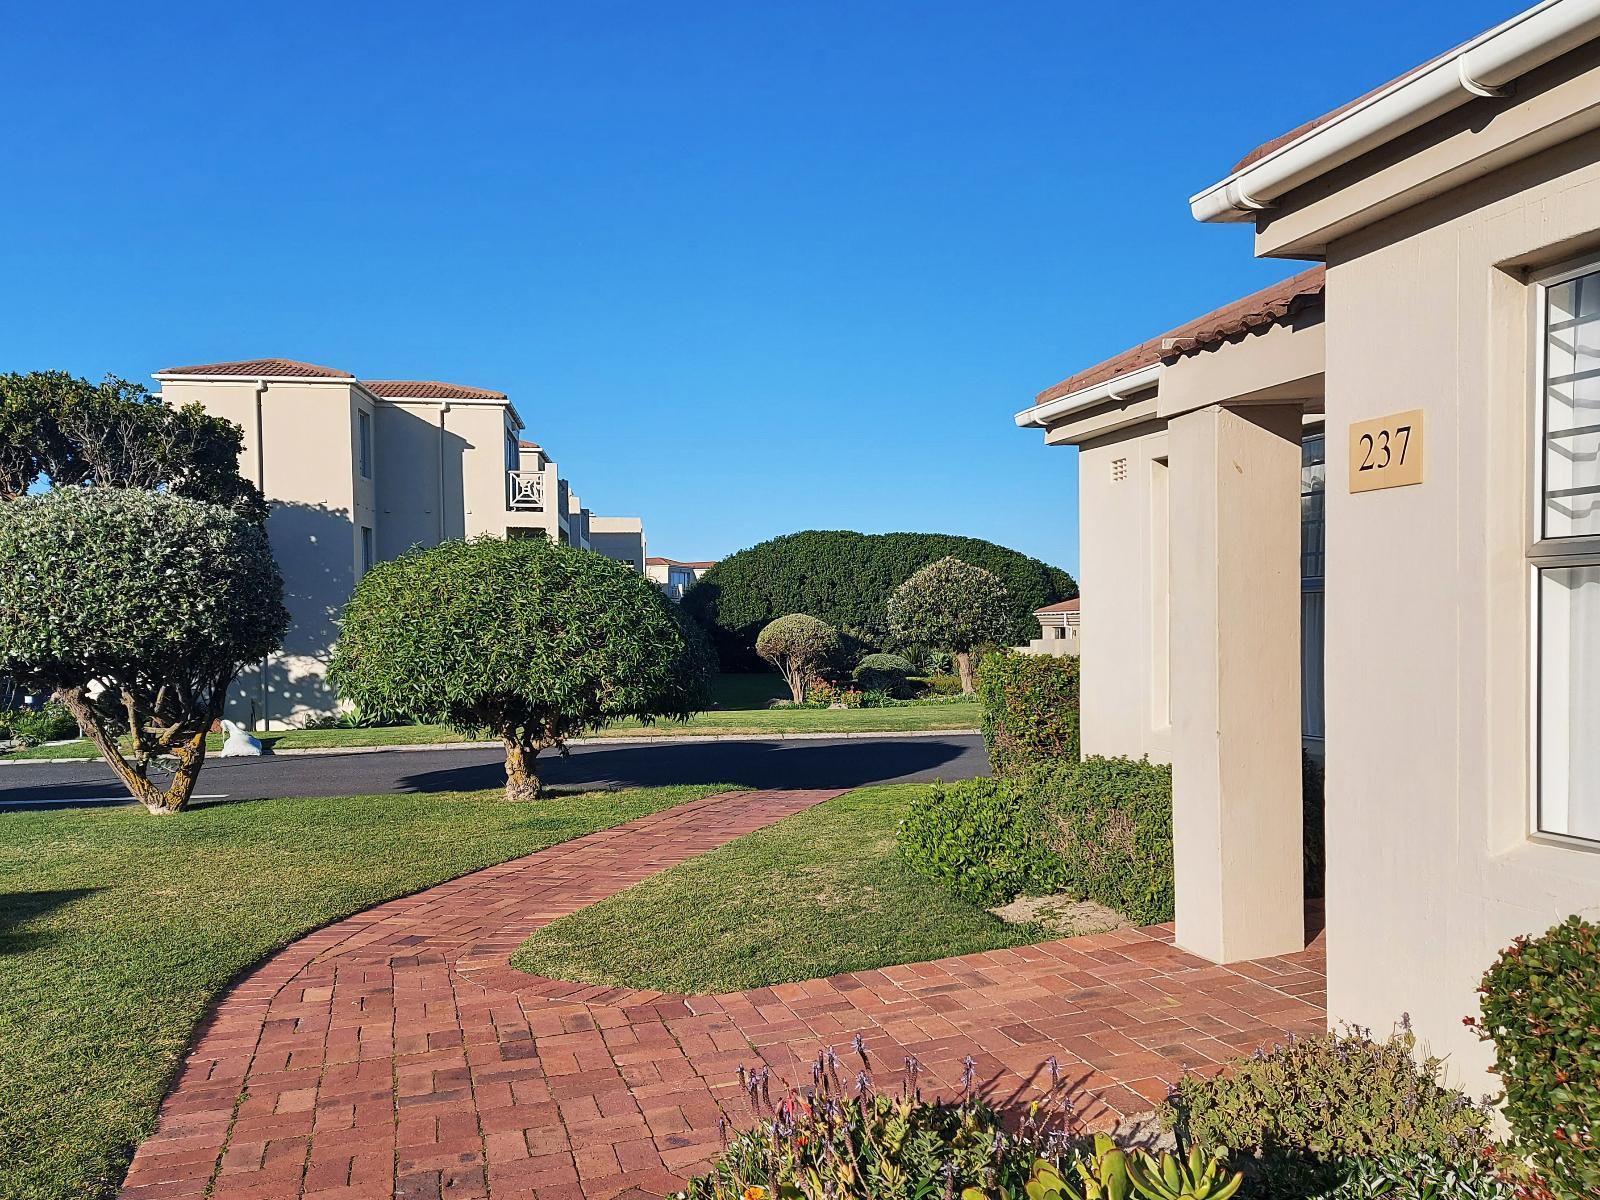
{"x": 240, "y": 743}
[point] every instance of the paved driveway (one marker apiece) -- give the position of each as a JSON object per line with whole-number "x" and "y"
{"x": 753, "y": 763}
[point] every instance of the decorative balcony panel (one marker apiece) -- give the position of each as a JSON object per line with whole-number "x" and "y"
{"x": 525, "y": 490}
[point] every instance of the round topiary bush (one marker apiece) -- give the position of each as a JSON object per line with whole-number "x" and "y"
{"x": 845, "y": 579}
{"x": 533, "y": 641}
{"x": 883, "y": 673}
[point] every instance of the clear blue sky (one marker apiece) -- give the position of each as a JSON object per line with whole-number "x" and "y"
{"x": 744, "y": 268}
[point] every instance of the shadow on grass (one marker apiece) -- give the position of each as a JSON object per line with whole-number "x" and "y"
{"x": 21, "y": 908}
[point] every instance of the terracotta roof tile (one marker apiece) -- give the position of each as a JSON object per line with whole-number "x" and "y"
{"x": 1268, "y": 305}
{"x": 428, "y": 389}
{"x": 672, "y": 562}
{"x": 1063, "y": 606}
{"x": 262, "y": 368}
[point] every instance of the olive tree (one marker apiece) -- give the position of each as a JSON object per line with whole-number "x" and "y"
{"x": 137, "y": 609}
{"x": 532, "y": 641}
{"x": 800, "y": 646}
{"x": 954, "y": 606}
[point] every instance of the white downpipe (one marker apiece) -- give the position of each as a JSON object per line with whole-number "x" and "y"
{"x": 1483, "y": 67}
{"x": 1119, "y": 388}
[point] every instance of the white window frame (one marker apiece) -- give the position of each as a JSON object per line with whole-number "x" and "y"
{"x": 1547, "y": 553}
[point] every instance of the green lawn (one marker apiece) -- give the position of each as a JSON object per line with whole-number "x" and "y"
{"x": 958, "y": 714}
{"x": 117, "y": 929}
{"x": 817, "y": 894}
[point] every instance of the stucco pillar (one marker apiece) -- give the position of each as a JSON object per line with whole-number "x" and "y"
{"x": 1235, "y": 652}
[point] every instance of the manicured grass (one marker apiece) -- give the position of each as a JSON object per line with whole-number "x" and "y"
{"x": 960, "y": 714}
{"x": 117, "y": 930}
{"x": 814, "y": 895}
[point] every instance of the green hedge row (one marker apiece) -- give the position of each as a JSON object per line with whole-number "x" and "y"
{"x": 1100, "y": 829}
{"x": 1029, "y": 704}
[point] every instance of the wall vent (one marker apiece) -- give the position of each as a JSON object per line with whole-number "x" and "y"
{"x": 1119, "y": 470}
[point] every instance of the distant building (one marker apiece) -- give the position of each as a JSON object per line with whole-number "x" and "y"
{"x": 1058, "y": 630}
{"x": 674, "y": 577}
{"x": 621, "y": 538}
{"x": 359, "y": 471}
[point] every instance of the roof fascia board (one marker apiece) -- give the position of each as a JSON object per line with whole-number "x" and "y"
{"x": 1483, "y": 67}
{"x": 1112, "y": 390}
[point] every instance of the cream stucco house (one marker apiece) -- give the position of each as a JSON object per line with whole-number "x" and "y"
{"x": 361, "y": 470}
{"x": 674, "y": 577}
{"x": 1363, "y": 506}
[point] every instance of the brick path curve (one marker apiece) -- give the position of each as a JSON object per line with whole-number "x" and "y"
{"x": 397, "y": 1054}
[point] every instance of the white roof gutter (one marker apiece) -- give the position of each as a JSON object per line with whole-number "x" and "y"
{"x": 1483, "y": 67}
{"x": 1116, "y": 389}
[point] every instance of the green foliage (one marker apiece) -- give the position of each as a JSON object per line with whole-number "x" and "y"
{"x": 1101, "y": 1170}
{"x": 1418, "y": 1177}
{"x": 1298, "y": 1116}
{"x": 846, "y": 1139}
{"x": 1100, "y": 829}
{"x": 158, "y": 599}
{"x": 845, "y": 579}
{"x": 801, "y": 647}
{"x": 951, "y": 605}
{"x": 533, "y": 641}
{"x": 941, "y": 685}
{"x": 1110, "y": 831}
{"x": 115, "y": 434}
{"x": 983, "y": 839}
{"x": 1030, "y": 710}
{"x": 883, "y": 673}
{"x": 1541, "y": 1008}
{"x": 35, "y": 726}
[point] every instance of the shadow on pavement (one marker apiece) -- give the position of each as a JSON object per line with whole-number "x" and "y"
{"x": 754, "y": 764}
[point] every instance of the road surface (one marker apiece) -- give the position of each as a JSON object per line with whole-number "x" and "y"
{"x": 753, "y": 763}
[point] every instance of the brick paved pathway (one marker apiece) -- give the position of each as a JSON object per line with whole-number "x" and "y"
{"x": 396, "y": 1053}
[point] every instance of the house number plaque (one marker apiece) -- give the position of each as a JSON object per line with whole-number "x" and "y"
{"x": 1386, "y": 452}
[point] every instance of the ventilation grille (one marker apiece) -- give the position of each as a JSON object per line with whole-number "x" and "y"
{"x": 1119, "y": 470}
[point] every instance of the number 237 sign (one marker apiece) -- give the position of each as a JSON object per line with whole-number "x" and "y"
{"x": 1386, "y": 452}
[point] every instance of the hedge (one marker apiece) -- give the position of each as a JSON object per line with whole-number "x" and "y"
{"x": 1100, "y": 829}
{"x": 845, "y": 579}
{"x": 1029, "y": 705}
{"x": 1541, "y": 1008}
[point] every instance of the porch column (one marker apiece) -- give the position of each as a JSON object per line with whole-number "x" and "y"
{"x": 1235, "y": 653}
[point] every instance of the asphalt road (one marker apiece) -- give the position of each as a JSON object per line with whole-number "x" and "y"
{"x": 755, "y": 763}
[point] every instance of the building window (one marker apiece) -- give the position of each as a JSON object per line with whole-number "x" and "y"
{"x": 367, "y": 557}
{"x": 1564, "y": 561}
{"x": 364, "y": 440}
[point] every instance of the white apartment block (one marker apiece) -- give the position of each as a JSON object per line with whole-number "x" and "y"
{"x": 361, "y": 470}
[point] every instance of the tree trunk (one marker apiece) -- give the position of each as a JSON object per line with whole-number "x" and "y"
{"x": 522, "y": 769}
{"x": 964, "y": 668}
{"x": 191, "y": 756}
{"x": 797, "y": 685}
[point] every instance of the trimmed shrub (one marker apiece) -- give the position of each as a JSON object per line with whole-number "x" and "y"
{"x": 985, "y": 840}
{"x": 801, "y": 647}
{"x": 883, "y": 673}
{"x": 1030, "y": 710}
{"x": 1100, "y": 829}
{"x": 845, "y": 579}
{"x": 1541, "y": 1008}
{"x": 940, "y": 685}
{"x": 1297, "y": 1118}
{"x": 1110, "y": 831}
{"x": 35, "y": 726}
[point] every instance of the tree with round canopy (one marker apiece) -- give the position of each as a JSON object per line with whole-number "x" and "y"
{"x": 534, "y": 642}
{"x": 800, "y": 646}
{"x": 954, "y": 606}
{"x": 137, "y": 609}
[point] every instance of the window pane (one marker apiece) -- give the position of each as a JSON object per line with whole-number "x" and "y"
{"x": 1569, "y": 701}
{"x": 1572, "y": 408}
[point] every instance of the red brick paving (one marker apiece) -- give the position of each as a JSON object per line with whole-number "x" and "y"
{"x": 397, "y": 1054}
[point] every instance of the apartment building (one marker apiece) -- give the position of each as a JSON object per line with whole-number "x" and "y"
{"x": 1369, "y": 497}
{"x": 361, "y": 470}
{"x": 674, "y": 577}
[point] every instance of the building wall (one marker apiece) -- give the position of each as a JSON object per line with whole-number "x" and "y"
{"x": 300, "y": 446}
{"x": 621, "y": 538}
{"x": 1431, "y": 866}
{"x": 1123, "y": 560}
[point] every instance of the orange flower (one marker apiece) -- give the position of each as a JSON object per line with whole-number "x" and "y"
{"x": 755, "y": 1193}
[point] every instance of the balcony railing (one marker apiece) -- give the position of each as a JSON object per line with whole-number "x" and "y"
{"x": 525, "y": 490}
